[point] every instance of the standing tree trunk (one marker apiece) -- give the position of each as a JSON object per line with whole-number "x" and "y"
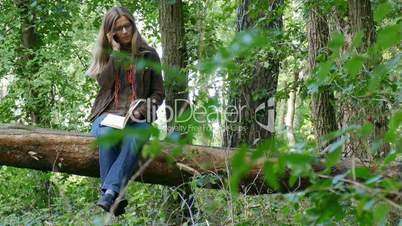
{"x": 290, "y": 114}
{"x": 361, "y": 20}
{"x": 34, "y": 105}
{"x": 261, "y": 84}
{"x": 323, "y": 111}
{"x": 26, "y": 71}
{"x": 282, "y": 112}
{"x": 174, "y": 55}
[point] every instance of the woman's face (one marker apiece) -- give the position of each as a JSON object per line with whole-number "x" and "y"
{"x": 123, "y": 30}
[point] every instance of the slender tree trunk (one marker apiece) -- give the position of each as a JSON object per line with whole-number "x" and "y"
{"x": 262, "y": 78}
{"x": 34, "y": 106}
{"x": 29, "y": 43}
{"x": 282, "y": 113}
{"x": 323, "y": 110}
{"x": 290, "y": 114}
{"x": 174, "y": 55}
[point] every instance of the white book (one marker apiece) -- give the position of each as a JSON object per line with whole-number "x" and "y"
{"x": 117, "y": 121}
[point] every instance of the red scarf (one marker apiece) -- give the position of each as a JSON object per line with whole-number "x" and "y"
{"x": 130, "y": 77}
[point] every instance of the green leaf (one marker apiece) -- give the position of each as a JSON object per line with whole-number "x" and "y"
{"x": 299, "y": 163}
{"x": 366, "y": 130}
{"x": 380, "y": 213}
{"x": 336, "y": 41}
{"x": 360, "y": 205}
{"x": 324, "y": 69}
{"x": 357, "y": 40}
{"x": 240, "y": 167}
{"x": 153, "y": 149}
{"x": 363, "y": 172}
{"x": 392, "y": 134}
{"x": 292, "y": 180}
{"x": 354, "y": 65}
{"x": 382, "y": 11}
{"x": 335, "y": 152}
{"x": 265, "y": 147}
{"x": 154, "y": 131}
{"x": 390, "y": 157}
{"x": 395, "y": 121}
{"x": 376, "y": 77}
{"x": 389, "y": 36}
{"x": 239, "y": 157}
{"x": 297, "y": 158}
{"x": 270, "y": 175}
{"x": 111, "y": 138}
{"x": 330, "y": 207}
{"x": 333, "y": 157}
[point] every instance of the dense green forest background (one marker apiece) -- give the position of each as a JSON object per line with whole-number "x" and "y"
{"x": 332, "y": 69}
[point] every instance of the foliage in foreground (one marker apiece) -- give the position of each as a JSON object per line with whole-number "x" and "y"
{"x": 356, "y": 197}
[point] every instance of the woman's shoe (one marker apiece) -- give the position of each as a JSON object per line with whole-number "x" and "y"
{"x": 105, "y": 202}
{"x": 120, "y": 209}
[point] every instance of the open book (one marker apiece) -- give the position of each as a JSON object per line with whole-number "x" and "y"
{"x": 117, "y": 121}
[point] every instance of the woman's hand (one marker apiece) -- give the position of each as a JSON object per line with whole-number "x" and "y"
{"x": 115, "y": 45}
{"x": 137, "y": 114}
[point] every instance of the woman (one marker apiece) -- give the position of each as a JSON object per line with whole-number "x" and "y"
{"x": 120, "y": 84}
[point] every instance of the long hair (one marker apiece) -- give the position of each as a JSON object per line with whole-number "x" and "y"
{"x": 102, "y": 49}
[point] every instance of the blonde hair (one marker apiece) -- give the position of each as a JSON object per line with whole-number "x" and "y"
{"x": 102, "y": 49}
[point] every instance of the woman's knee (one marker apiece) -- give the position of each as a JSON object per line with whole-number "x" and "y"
{"x": 133, "y": 143}
{"x": 130, "y": 139}
{"x": 104, "y": 130}
{"x": 96, "y": 128}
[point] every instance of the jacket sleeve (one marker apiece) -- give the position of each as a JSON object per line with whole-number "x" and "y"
{"x": 157, "y": 90}
{"x": 106, "y": 77}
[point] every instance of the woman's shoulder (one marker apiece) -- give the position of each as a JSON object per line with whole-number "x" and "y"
{"x": 151, "y": 54}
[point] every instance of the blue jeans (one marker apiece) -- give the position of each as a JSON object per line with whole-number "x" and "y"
{"x": 117, "y": 162}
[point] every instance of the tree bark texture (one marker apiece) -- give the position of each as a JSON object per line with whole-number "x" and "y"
{"x": 263, "y": 77}
{"x": 323, "y": 110}
{"x": 174, "y": 55}
{"x": 358, "y": 112}
{"x": 74, "y": 153}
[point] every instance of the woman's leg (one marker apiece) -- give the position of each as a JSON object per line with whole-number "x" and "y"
{"x": 124, "y": 166}
{"x": 107, "y": 153}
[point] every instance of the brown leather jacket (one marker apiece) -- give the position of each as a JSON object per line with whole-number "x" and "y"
{"x": 149, "y": 86}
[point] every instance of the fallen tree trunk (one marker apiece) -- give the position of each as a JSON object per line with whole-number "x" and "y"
{"x": 75, "y": 153}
